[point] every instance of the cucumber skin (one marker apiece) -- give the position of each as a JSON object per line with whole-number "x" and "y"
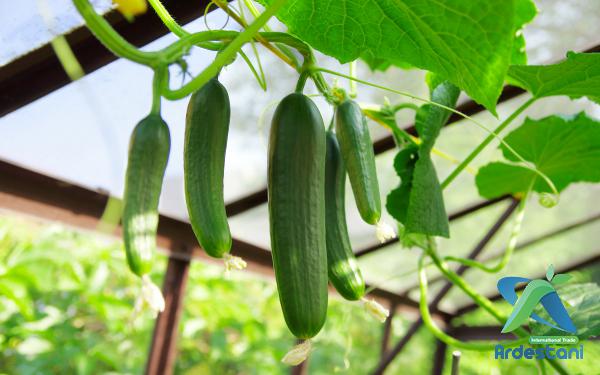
{"x": 296, "y": 189}
{"x": 149, "y": 148}
{"x": 342, "y": 265}
{"x": 359, "y": 158}
{"x": 207, "y": 127}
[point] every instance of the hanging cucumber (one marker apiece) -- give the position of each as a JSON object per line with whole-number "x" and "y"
{"x": 296, "y": 188}
{"x": 207, "y": 127}
{"x": 357, "y": 152}
{"x": 148, "y": 154}
{"x": 342, "y": 265}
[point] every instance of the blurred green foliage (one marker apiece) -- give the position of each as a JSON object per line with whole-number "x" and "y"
{"x": 66, "y": 303}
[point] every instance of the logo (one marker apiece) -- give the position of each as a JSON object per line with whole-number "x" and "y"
{"x": 535, "y": 292}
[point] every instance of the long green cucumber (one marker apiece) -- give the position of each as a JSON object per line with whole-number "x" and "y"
{"x": 148, "y": 155}
{"x": 207, "y": 127}
{"x": 296, "y": 189}
{"x": 342, "y": 265}
{"x": 357, "y": 152}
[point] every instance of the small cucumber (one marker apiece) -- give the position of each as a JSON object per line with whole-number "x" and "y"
{"x": 342, "y": 265}
{"x": 148, "y": 155}
{"x": 296, "y": 189}
{"x": 207, "y": 127}
{"x": 357, "y": 152}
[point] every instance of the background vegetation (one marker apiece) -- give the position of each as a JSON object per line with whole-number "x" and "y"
{"x": 66, "y": 302}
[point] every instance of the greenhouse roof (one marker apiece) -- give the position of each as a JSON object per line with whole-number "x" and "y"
{"x": 80, "y": 134}
{"x": 63, "y": 147}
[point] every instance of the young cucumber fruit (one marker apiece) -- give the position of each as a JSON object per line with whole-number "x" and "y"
{"x": 148, "y": 154}
{"x": 207, "y": 127}
{"x": 296, "y": 189}
{"x": 357, "y": 152}
{"x": 342, "y": 265}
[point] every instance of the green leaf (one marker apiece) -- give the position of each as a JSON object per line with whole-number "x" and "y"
{"x": 577, "y": 76}
{"x": 566, "y": 149}
{"x": 418, "y": 202}
{"x": 397, "y": 200}
{"x": 582, "y": 302}
{"x": 469, "y": 43}
{"x": 561, "y": 278}
{"x": 550, "y": 272}
{"x": 525, "y": 12}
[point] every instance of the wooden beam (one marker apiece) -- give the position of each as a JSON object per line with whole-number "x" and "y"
{"x": 39, "y": 72}
{"x": 163, "y": 348}
{"x": 28, "y": 192}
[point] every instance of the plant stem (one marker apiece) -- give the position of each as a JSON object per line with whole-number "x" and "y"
{"x": 260, "y": 39}
{"x": 510, "y": 247}
{"x": 484, "y": 143}
{"x": 302, "y": 81}
{"x": 401, "y": 135}
{"x": 282, "y": 47}
{"x": 111, "y": 39}
{"x": 157, "y": 82}
{"x": 430, "y": 324}
{"x": 352, "y": 72}
{"x": 67, "y": 58}
{"x": 492, "y": 133}
{"x": 167, "y": 19}
{"x": 226, "y": 54}
{"x": 480, "y": 300}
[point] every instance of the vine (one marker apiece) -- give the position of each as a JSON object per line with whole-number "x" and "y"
{"x": 285, "y": 47}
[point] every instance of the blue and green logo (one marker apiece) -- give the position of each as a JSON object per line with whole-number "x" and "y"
{"x": 535, "y": 292}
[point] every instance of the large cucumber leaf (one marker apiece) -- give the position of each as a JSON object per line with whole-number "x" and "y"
{"x": 577, "y": 76}
{"x": 565, "y": 148}
{"x": 469, "y": 43}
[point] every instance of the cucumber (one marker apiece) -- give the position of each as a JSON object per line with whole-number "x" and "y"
{"x": 296, "y": 190}
{"x": 342, "y": 265}
{"x": 148, "y": 155}
{"x": 207, "y": 127}
{"x": 359, "y": 158}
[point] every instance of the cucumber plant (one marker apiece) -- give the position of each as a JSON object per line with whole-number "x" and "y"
{"x": 465, "y": 50}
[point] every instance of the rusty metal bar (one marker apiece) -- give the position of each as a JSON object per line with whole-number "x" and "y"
{"x": 480, "y": 333}
{"x": 387, "y": 329}
{"x": 532, "y": 241}
{"x": 453, "y": 216}
{"x": 433, "y": 305}
{"x": 439, "y": 358}
{"x": 163, "y": 347}
{"x": 455, "y": 363}
{"x": 302, "y": 368}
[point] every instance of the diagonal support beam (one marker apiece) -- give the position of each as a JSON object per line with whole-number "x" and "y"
{"x": 433, "y": 305}
{"x": 28, "y": 192}
{"x": 532, "y": 241}
{"x": 453, "y": 216}
{"x": 163, "y": 348}
{"x": 590, "y": 261}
